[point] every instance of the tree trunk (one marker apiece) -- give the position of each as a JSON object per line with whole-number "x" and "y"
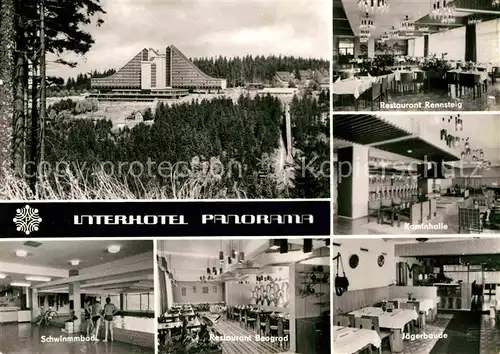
{"x": 6, "y": 82}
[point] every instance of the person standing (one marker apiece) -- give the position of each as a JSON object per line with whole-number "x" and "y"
{"x": 96, "y": 317}
{"x": 109, "y": 311}
{"x": 88, "y": 317}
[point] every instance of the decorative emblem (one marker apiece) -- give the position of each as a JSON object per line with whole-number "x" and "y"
{"x": 27, "y": 219}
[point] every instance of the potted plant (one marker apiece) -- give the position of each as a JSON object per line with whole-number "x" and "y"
{"x": 436, "y": 69}
{"x": 203, "y": 344}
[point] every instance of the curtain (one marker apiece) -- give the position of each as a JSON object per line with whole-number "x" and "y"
{"x": 488, "y": 42}
{"x": 426, "y": 45}
{"x": 163, "y": 291}
{"x": 470, "y": 43}
{"x": 419, "y": 47}
{"x": 451, "y": 43}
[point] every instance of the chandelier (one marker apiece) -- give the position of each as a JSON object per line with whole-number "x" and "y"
{"x": 366, "y": 23}
{"x": 373, "y": 6}
{"x": 394, "y": 33}
{"x": 385, "y": 37}
{"x": 407, "y": 25}
{"x": 364, "y": 35}
{"x": 423, "y": 29}
{"x": 443, "y": 11}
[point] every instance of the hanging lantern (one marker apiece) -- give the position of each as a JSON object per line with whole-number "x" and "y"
{"x": 221, "y": 257}
{"x": 208, "y": 270}
{"x": 229, "y": 260}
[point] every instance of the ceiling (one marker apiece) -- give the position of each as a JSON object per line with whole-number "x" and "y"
{"x": 365, "y": 129}
{"x": 58, "y": 254}
{"x": 189, "y": 259}
{"x": 417, "y": 148}
{"x": 416, "y": 10}
{"x": 129, "y": 270}
{"x": 341, "y": 24}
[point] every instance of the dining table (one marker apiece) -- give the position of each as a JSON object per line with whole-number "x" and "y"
{"x": 348, "y": 340}
{"x": 394, "y": 320}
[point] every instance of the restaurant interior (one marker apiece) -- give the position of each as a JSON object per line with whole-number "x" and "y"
{"x": 416, "y": 55}
{"x": 217, "y": 296}
{"x": 439, "y": 292}
{"x": 44, "y": 287}
{"x": 416, "y": 174}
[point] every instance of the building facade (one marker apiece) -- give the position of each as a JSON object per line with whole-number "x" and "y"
{"x": 153, "y": 71}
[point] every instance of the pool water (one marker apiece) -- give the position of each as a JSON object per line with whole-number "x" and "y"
{"x": 138, "y": 324}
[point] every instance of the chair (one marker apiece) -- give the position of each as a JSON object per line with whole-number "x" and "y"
{"x": 382, "y": 334}
{"x": 286, "y": 332}
{"x": 408, "y": 306}
{"x": 372, "y": 94}
{"x": 421, "y": 314}
{"x": 273, "y": 326}
{"x": 251, "y": 319}
{"x": 374, "y": 209}
{"x": 384, "y": 94}
{"x": 470, "y": 81}
{"x": 262, "y": 323}
{"x": 366, "y": 322}
{"x": 406, "y": 80}
{"x": 495, "y": 73}
{"x": 419, "y": 78}
{"x": 386, "y": 207}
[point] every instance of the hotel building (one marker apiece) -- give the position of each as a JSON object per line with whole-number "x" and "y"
{"x": 170, "y": 74}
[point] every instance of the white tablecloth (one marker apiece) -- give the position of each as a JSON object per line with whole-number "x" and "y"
{"x": 396, "y": 319}
{"x": 482, "y": 74}
{"x": 356, "y": 86}
{"x": 348, "y": 340}
{"x": 398, "y": 73}
{"x": 424, "y": 304}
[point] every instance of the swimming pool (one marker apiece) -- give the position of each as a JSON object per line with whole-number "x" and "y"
{"x": 138, "y": 324}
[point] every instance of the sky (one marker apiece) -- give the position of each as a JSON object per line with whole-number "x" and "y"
{"x": 205, "y": 28}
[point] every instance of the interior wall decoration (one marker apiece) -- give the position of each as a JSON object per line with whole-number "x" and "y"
{"x": 381, "y": 260}
{"x": 183, "y": 291}
{"x": 353, "y": 261}
{"x": 394, "y": 47}
{"x": 204, "y": 290}
{"x": 271, "y": 291}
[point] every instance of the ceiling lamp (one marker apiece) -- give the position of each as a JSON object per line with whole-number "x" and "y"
{"x": 373, "y": 6}
{"x": 385, "y": 37}
{"x": 74, "y": 262}
{"x": 36, "y": 278}
{"x": 364, "y": 35}
{"x": 3, "y": 276}
{"x": 114, "y": 249}
{"x": 20, "y": 284}
{"x": 21, "y": 253}
{"x": 366, "y": 23}
{"x": 394, "y": 33}
{"x": 424, "y": 29}
{"x": 407, "y": 25}
{"x": 443, "y": 11}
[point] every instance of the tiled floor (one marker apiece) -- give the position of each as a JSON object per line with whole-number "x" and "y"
{"x": 26, "y": 339}
{"x": 232, "y": 328}
{"x": 490, "y": 336}
{"x": 468, "y": 104}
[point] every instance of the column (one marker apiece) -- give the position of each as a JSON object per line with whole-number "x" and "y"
{"x": 74, "y": 296}
{"x": 371, "y": 48}
{"x": 35, "y": 309}
{"x": 357, "y": 47}
{"x": 353, "y": 182}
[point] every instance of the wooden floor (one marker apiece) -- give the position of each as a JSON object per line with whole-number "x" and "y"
{"x": 232, "y": 328}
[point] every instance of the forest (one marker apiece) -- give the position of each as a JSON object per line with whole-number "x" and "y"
{"x": 207, "y": 143}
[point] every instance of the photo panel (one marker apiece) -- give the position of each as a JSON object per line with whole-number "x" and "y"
{"x": 244, "y": 295}
{"x": 416, "y": 295}
{"x": 167, "y": 100}
{"x": 74, "y": 296}
{"x": 408, "y": 174}
{"x": 415, "y": 55}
